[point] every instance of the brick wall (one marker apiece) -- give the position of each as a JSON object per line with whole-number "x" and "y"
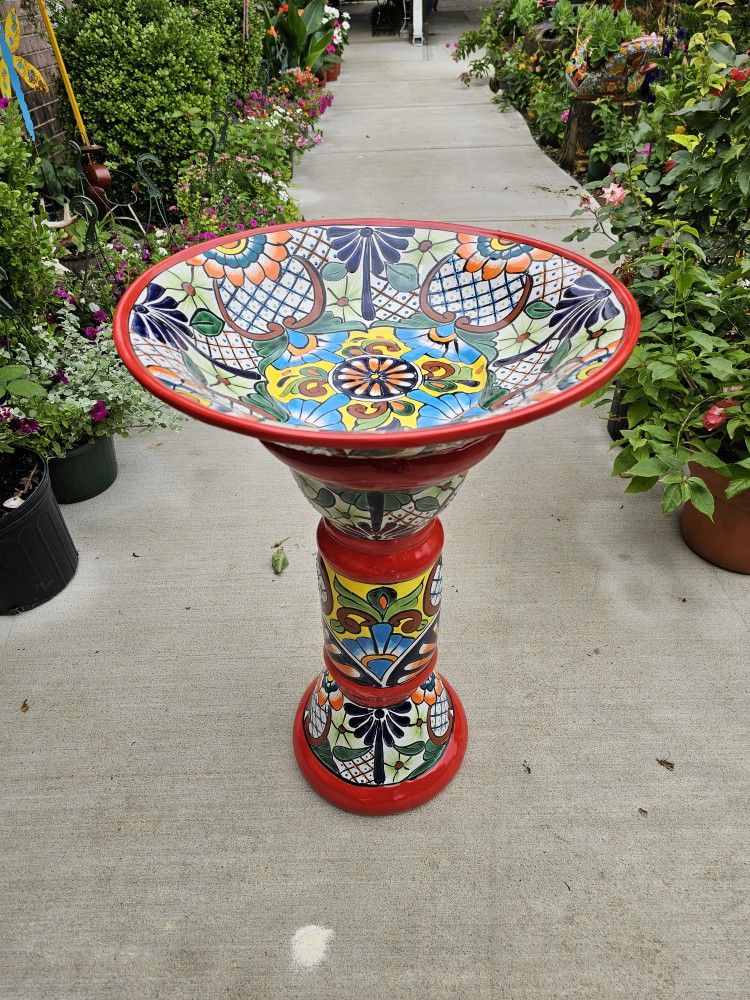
{"x": 36, "y": 48}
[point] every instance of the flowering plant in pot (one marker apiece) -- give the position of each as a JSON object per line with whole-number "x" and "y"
{"x": 296, "y": 36}
{"x": 685, "y": 393}
{"x": 83, "y": 396}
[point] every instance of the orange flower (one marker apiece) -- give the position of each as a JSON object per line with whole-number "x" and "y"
{"x": 272, "y": 32}
{"x": 492, "y": 255}
{"x": 247, "y": 258}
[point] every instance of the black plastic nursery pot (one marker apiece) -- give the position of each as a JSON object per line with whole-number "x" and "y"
{"x": 618, "y": 415}
{"x": 84, "y": 472}
{"x": 37, "y": 555}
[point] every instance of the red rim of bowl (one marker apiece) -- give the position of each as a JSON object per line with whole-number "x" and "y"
{"x": 372, "y": 440}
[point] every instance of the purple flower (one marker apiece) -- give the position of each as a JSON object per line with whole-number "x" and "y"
{"x": 60, "y": 378}
{"x": 99, "y": 412}
{"x": 91, "y": 332}
{"x": 25, "y": 425}
{"x": 4, "y": 102}
{"x": 99, "y": 317}
{"x": 5, "y": 413}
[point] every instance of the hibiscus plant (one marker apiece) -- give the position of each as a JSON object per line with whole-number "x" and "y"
{"x": 686, "y": 389}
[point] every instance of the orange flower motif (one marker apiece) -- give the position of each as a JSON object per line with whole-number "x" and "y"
{"x": 326, "y": 690}
{"x": 428, "y": 691}
{"x": 248, "y": 258}
{"x": 493, "y": 256}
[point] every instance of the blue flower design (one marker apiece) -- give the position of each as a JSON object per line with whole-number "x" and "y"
{"x": 370, "y": 248}
{"x": 310, "y": 412}
{"x": 380, "y": 650}
{"x": 585, "y": 303}
{"x": 157, "y": 317}
{"x": 443, "y": 409}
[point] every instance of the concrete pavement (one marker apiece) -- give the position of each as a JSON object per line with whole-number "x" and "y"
{"x": 157, "y": 839}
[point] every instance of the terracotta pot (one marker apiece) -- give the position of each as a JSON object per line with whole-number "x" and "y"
{"x": 336, "y": 70}
{"x": 725, "y": 541}
{"x": 330, "y": 77}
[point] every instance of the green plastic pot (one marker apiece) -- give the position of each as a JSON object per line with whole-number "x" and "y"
{"x": 37, "y": 555}
{"x": 84, "y": 472}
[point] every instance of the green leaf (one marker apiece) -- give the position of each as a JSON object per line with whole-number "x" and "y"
{"x": 426, "y": 504}
{"x": 404, "y": 277}
{"x": 26, "y": 388}
{"x": 196, "y": 372}
{"x": 207, "y": 323}
{"x": 560, "y": 353}
{"x": 539, "y": 309}
{"x": 736, "y": 487}
{"x": 647, "y": 467}
{"x": 701, "y": 496}
{"x": 345, "y": 754}
{"x": 10, "y": 372}
{"x": 333, "y": 271}
{"x": 640, "y": 484}
{"x": 412, "y": 749}
{"x": 671, "y": 498}
{"x": 660, "y": 370}
{"x": 279, "y": 561}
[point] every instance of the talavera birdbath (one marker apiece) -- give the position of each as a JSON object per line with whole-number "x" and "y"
{"x": 380, "y": 360}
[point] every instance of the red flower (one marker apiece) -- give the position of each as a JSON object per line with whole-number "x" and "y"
{"x": 739, "y": 75}
{"x": 717, "y": 91}
{"x": 715, "y": 416}
{"x": 670, "y": 164}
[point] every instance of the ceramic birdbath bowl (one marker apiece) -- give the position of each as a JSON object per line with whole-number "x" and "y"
{"x": 379, "y": 360}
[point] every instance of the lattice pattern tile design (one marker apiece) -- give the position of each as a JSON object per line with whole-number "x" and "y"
{"x": 373, "y": 328}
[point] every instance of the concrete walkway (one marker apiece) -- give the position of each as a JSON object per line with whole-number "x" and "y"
{"x": 157, "y": 840}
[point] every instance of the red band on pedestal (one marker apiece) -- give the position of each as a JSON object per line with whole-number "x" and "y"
{"x": 385, "y": 473}
{"x": 389, "y": 561}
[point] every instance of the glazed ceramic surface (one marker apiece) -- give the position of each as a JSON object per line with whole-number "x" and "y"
{"x": 336, "y": 330}
{"x": 380, "y": 361}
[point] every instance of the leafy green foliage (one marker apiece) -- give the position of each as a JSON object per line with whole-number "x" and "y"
{"x": 146, "y": 72}
{"x": 24, "y": 242}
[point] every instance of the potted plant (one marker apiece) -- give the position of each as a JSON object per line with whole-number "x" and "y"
{"x": 37, "y": 555}
{"x": 685, "y": 393}
{"x": 89, "y": 397}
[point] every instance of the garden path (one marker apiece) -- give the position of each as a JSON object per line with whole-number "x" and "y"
{"x": 157, "y": 839}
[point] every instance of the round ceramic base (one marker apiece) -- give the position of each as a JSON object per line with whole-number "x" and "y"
{"x": 361, "y": 796}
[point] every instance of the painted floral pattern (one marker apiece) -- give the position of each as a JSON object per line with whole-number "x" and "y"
{"x": 378, "y": 746}
{"x": 373, "y": 328}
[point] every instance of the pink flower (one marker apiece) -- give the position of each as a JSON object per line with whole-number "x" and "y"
{"x": 565, "y": 115}
{"x": 330, "y": 48}
{"x": 99, "y": 412}
{"x": 615, "y": 194}
{"x": 646, "y": 151}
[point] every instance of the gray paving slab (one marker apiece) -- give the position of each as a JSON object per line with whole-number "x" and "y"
{"x": 157, "y": 840}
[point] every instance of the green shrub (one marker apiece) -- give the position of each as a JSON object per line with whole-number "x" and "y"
{"x": 240, "y": 60}
{"x": 24, "y": 242}
{"x": 145, "y": 73}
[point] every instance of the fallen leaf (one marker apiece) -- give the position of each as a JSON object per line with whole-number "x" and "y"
{"x": 665, "y": 763}
{"x": 526, "y": 768}
{"x": 136, "y": 556}
{"x": 279, "y": 561}
{"x": 25, "y": 705}
{"x": 277, "y": 545}
{"x": 642, "y": 812}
